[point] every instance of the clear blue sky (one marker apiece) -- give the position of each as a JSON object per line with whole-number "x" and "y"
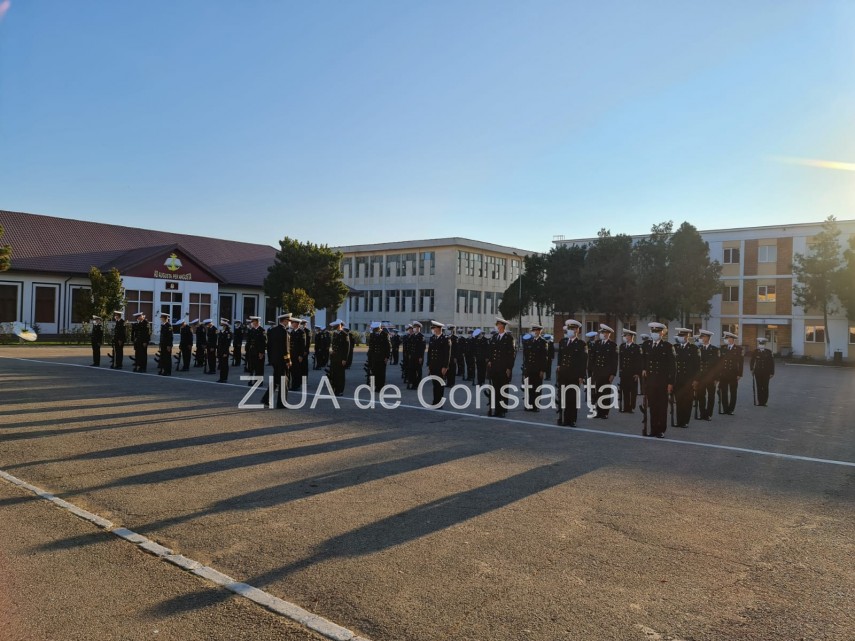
{"x": 361, "y": 121}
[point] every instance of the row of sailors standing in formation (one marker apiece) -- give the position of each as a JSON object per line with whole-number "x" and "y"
{"x": 215, "y": 348}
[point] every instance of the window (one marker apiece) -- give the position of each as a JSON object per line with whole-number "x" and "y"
{"x": 8, "y": 303}
{"x": 361, "y": 267}
{"x": 766, "y": 294}
{"x": 767, "y": 254}
{"x": 409, "y": 265}
{"x": 731, "y": 256}
{"x": 200, "y": 307}
{"x": 249, "y": 303}
{"x": 427, "y": 262}
{"x": 426, "y": 300}
{"x": 696, "y": 328}
{"x": 143, "y": 301}
{"x": 478, "y": 265}
{"x": 393, "y": 300}
{"x": 474, "y": 302}
{"x": 408, "y": 300}
{"x": 394, "y": 266}
{"x": 731, "y": 294}
{"x": 375, "y": 266}
{"x": 630, "y": 327}
{"x": 852, "y": 335}
{"x": 489, "y": 302}
{"x": 733, "y": 328}
{"x": 45, "y": 304}
{"x": 170, "y": 303}
{"x": 502, "y": 267}
{"x": 375, "y": 300}
{"x": 81, "y": 299}
{"x": 227, "y": 307}
{"x": 515, "y": 268}
{"x": 347, "y": 267}
{"x": 816, "y": 334}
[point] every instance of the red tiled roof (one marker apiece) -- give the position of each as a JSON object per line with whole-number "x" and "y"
{"x": 65, "y": 246}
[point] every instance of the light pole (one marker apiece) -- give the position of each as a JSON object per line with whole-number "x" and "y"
{"x": 519, "y": 299}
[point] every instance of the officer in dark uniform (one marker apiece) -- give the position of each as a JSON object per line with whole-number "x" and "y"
{"x": 279, "y": 353}
{"x": 593, "y": 339}
{"x": 164, "y": 363}
{"x": 535, "y": 362}
{"x": 416, "y": 356}
{"x": 307, "y": 351}
{"x": 201, "y": 345}
{"x": 439, "y": 359}
{"x": 500, "y": 367}
{"x": 630, "y": 364}
{"x": 451, "y": 377}
{"x": 395, "y": 341}
{"x": 480, "y": 348}
{"x": 570, "y": 372}
{"x": 97, "y": 340}
{"x": 119, "y": 338}
{"x": 210, "y": 346}
{"x": 731, "y": 366}
{"x": 339, "y": 348}
{"x": 658, "y": 376}
{"x": 379, "y": 349}
{"x": 224, "y": 343}
{"x": 298, "y": 353}
{"x": 405, "y": 354}
{"x": 256, "y": 346}
{"x": 603, "y": 366}
{"x": 458, "y": 355}
{"x": 708, "y": 372}
{"x": 687, "y": 364}
{"x": 237, "y": 342}
{"x": 550, "y": 355}
{"x": 185, "y": 345}
{"x": 762, "y": 368}
{"x": 470, "y": 357}
{"x": 324, "y": 347}
{"x": 142, "y": 336}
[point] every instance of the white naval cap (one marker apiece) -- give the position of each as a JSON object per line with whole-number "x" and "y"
{"x": 476, "y": 332}
{"x": 336, "y": 322}
{"x": 591, "y": 334}
{"x": 656, "y": 327}
{"x": 207, "y": 320}
{"x": 628, "y": 332}
{"x": 375, "y": 325}
{"x": 434, "y": 323}
{"x": 138, "y": 314}
{"x": 606, "y": 328}
{"x": 706, "y": 332}
{"x": 572, "y": 323}
{"x": 730, "y": 335}
{"x": 683, "y": 330}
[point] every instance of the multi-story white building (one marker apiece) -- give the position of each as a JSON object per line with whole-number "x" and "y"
{"x": 453, "y": 280}
{"x": 757, "y": 299}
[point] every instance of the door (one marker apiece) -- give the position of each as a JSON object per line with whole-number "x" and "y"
{"x": 772, "y": 338}
{"x": 171, "y": 303}
{"x": 45, "y": 308}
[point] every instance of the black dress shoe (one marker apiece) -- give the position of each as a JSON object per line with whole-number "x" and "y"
{"x": 572, "y": 423}
{"x": 660, "y": 436}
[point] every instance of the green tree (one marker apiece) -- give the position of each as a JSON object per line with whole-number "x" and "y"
{"x": 693, "y": 278}
{"x": 609, "y": 282}
{"x": 532, "y": 292}
{"x": 298, "y": 302}
{"x": 564, "y": 287}
{"x": 818, "y": 273}
{"x": 651, "y": 266}
{"x": 107, "y": 294}
{"x": 316, "y": 269}
{"x": 845, "y": 286}
{"x": 5, "y": 254}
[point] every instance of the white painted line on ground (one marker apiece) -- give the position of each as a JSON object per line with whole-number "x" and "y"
{"x": 316, "y": 623}
{"x": 514, "y": 421}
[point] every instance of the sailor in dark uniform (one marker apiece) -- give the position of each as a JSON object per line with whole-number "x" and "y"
{"x": 142, "y": 336}
{"x": 500, "y": 367}
{"x": 570, "y": 372}
{"x": 550, "y": 354}
{"x": 630, "y": 365}
{"x": 201, "y": 345}
{"x": 707, "y": 375}
{"x": 164, "y": 363}
{"x": 119, "y": 338}
{"x": 210, "y": 346}
{"x": 481, "y": 350}
{"x": 279, "y": 355}
{"x": 395, "y": 341}
{"x": 603, "y": 366}
{"x": 351, "y": 346}
{"x": 470, "y": 357}
{"x": 458, "y": 354}
{"x": 256, "y": 347}
{"x": 405, "y": 354}
{"x": 379, "y": 349}
{"x": 339, "y": 348}
{"x": 658, "y": 378}
{"x": 451, "y": 377}
{"x": 687, "y": 365}
{"x": 439, "y": 359}
{"x": 762, "y": 368}
{"x": 224, "y": 343}
{"x": 185, "y": 345}
{"x": 535, "y": 362}
{"x": 97, "y": 340}
{"x": 237, "y": 342}
{"x": 731, "y": 366}
{"x": 298, "y": 353}
{"x": 416, "y": 356}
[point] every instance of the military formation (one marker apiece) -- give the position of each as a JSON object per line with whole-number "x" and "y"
{"x": 669, "y": 383}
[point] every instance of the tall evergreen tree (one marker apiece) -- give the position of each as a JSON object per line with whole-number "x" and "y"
{"x": 609, "y": 281}
{"x": 693, "y": 278}
{"x": 817, "y": 275}
{"x": 107, "y": 295}
{"x": 5, "y": 254}
{"x": 564, "y": 287}
{"x": 316, "y": 269}
{"x": 650, "y": 263}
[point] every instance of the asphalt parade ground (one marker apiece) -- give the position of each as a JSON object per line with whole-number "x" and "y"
{"x": 414, "y": 524}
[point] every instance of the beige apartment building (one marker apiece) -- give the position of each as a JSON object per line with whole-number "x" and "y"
{"x": 757, "y": 296}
